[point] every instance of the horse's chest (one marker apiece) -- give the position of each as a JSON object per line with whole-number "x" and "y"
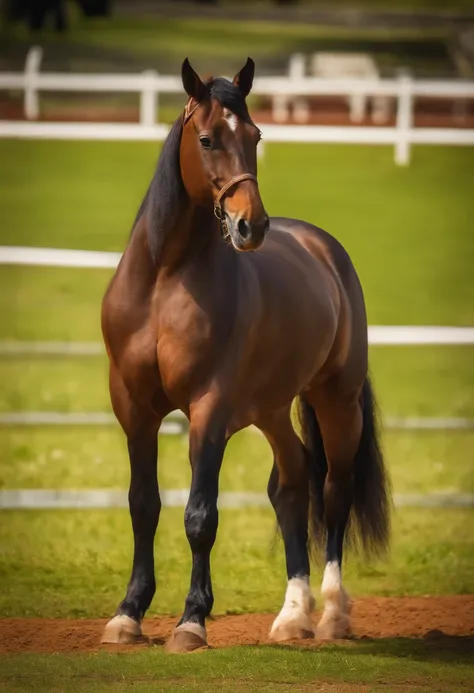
{"x": 186, "y": 347}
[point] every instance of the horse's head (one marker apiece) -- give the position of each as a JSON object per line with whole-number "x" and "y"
{"x": 219, "y": 154}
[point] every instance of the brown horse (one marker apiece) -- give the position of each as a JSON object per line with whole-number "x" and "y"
{"x": 231, "y": 338}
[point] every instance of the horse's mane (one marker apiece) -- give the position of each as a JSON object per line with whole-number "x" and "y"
{"x": 166, "y": 193}
{"x": 228, "y": 95}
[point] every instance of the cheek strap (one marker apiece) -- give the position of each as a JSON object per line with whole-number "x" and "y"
{"x": 189, "y": 110}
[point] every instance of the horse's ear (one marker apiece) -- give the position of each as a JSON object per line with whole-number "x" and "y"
{"x": 244, "y": 78}
{"x": 192, "y": 83}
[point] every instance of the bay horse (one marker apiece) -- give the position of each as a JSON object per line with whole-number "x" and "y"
{"x": 228, "y": 315}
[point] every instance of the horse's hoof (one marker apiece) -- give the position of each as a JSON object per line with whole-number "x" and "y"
{"x": 333, "y": 626}
{"x": 187, "y": 638}
{"x": 122, "y": 630}
{"x": 297, "y": 629}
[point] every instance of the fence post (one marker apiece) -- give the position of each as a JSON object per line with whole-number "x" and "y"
{"x": 280, "y": 102}
{"x": 31, "y": 98}
{"x": 404, "y": 119}
{"x": 148, "y": 98}
{"x": 296, "y": 74}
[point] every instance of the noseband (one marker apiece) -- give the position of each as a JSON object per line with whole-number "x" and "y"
{"x": 218, "y": 211}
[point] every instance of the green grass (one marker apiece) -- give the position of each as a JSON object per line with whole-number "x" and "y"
{"x": 407, "y": 230}
{"x": 134, "y": 43}
{"x": 389, "y": 666}
{"x": 164, "y": 41}
{"x": 96, "y": 457}
{"x": 77, "y": 563}
{"x": 42, "y": 303}
{"x": 409, "y": 234}
{"x": 415, "y": 381}
{"x": 410, "y": 381}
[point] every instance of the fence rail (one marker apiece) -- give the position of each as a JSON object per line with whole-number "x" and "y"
{"x": 113, "y": 498}
{"x": 95, "y": 259}
{"x": 176, "y": 423}
{"x": 149, "y": 85}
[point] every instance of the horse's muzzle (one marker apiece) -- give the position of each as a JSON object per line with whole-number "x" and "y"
{"x": 245, "y": 234}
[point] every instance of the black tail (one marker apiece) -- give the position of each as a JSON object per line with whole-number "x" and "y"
{"x": 369, "y": 523}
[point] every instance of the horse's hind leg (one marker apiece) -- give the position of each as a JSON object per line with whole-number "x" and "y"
{"x": 141, "y": 428}
{"x": 340, "y": 422}
{"x": 288, "y": 491}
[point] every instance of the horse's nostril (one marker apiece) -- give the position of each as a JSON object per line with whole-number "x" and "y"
{"x": 245, "y": 229}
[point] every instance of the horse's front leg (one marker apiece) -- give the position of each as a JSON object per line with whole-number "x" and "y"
{"x": 141, "y": 428}
{"x": 145, "y": 505}
{"x": 207, "y": 444}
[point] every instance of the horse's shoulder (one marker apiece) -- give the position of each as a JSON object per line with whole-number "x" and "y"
{"x": 317, "y": 241}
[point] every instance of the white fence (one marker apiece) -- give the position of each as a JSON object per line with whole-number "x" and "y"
{"x": 389, "y": 335}
{"x": 177, "y": 498}
{"x": 95, "y": 259}
{"x": 149, "y": 85}
{"x": 176, "y": 423}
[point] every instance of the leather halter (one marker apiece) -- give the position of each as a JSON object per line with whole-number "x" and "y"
{"x": 218, "y": 211}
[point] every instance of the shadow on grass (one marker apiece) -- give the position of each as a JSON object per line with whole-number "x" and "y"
{"x": 436, "y": 646}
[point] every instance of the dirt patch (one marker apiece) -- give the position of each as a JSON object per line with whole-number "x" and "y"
{"x": 408, "y": 617}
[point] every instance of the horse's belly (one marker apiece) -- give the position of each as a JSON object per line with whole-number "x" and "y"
{"x": 287, "y": 360}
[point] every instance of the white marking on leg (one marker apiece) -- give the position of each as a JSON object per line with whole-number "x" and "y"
{"x": 298, "y": 605}
{"x": 231, "y": 119}
{"x": 332, "y": 581}
{"x": 335, "y": 622}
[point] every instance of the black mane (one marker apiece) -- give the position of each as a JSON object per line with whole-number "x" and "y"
{"x": 166, "y": 194}
{"x": 229, "y": 96}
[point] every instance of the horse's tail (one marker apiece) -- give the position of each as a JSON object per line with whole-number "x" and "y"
{"x": 369, "y": 523}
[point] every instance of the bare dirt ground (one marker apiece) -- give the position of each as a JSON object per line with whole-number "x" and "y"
{"x": 430, "y": 618}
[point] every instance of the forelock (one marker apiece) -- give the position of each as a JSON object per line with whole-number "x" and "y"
{"x": 229, "y": 96}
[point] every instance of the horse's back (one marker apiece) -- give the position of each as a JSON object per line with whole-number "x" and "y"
{"x": 319, "y": 242}
{"x": 350, "y": 348}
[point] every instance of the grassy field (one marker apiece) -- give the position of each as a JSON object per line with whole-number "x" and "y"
{"x": 77, "y": 563}
{"x": 96, "y": 457}
{"x": 163, "y": 42}
{"x": 409, "y": 234}
{"x": 410, "y": 381}
{"x": 388, "y": 666}
{"x": 134, "y": 43}
{"x": 407, "y": 230}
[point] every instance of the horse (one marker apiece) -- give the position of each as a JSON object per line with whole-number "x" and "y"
{"x": 231, "y": 316}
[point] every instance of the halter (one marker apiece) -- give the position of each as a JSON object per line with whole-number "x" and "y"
{"x": 218, "y": 211}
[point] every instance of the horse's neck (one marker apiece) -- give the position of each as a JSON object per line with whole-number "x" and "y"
{"x": 191, "y": 240}
{"x": 137, "y": 261}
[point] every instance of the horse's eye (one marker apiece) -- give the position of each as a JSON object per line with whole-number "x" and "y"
{"x": 205, "y": 142}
